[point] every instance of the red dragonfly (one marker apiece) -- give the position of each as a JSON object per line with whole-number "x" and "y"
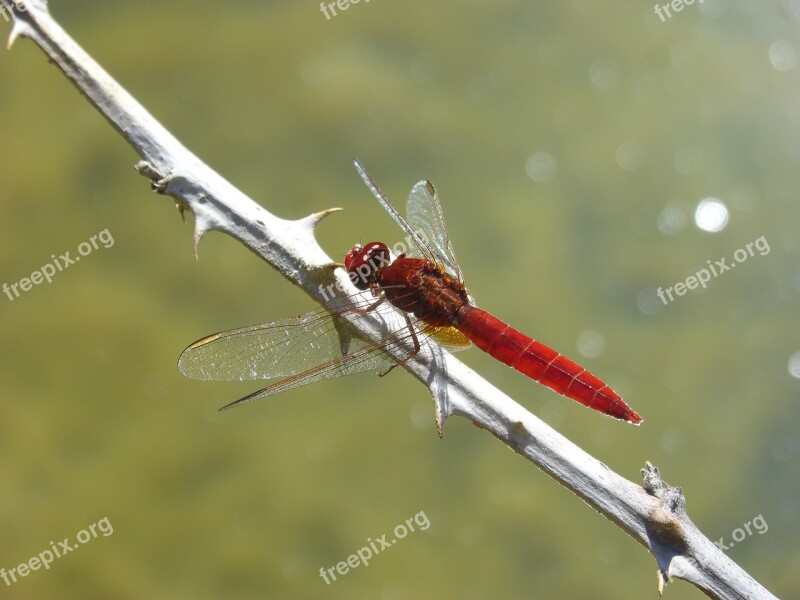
{"x": 425, "y": 283}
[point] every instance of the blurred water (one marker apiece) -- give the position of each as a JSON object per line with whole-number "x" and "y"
{"x": 571, "y": 144}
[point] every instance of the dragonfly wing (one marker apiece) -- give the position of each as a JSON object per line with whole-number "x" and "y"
{"x": 424, "y": 215}
{"x": 367, "y": 357}
{"x": 416, "y": 239}
{"x": 278, "y": 349}
{"x": 307, "y": 349}
{"x": 425, "y": 225}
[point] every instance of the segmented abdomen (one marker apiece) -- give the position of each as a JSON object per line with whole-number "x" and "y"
{"x": 541, "y": 363}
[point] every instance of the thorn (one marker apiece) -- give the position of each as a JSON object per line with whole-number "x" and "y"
{"x": 326, "y": 267}
{"x": 315, "y": 218}
{"x": 328, "y": 211}
{"x": 16, "y": 31}
{"x": 439, "y": 418}
{"x": 199, "y": 232}
{"x": 182, "y": 208}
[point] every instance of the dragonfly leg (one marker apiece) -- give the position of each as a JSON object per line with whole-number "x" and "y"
{"x": 369, "y": 308}
{"x": 413, "y": 353}
{"x": 376, "y": 290}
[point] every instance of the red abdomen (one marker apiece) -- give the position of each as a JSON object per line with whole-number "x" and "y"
{"x": 541, "y": 363}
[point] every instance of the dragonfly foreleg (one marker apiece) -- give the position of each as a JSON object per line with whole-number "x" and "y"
{"x": 367, "y": 309}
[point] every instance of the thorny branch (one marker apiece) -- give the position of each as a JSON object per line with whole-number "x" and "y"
{"x": 654, "y": 515}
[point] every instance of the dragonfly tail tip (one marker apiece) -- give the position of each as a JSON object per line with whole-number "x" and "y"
{"x": 635, "y": 419}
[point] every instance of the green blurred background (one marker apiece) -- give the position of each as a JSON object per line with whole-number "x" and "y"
{"x": 571, "y": 143}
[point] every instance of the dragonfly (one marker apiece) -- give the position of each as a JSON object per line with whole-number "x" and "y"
{"x": 421, "y": 292}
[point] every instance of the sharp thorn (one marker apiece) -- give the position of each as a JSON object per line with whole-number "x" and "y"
{"x": 181, "y": 209}
{"x": 16, "y": 31}
{"x": 315, "y": 218}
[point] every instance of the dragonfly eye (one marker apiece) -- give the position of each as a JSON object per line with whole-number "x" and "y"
{"x": 348, "y": 258}
{"x": 364, "y": 263}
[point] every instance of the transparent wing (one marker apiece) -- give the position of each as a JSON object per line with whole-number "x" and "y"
{"x": 306, "y": 349}
{"x": 414, "y": 236}
{"x": 424, "y": 215}
{"x": 277, "y": 349}
{"x": 424, "y": 224}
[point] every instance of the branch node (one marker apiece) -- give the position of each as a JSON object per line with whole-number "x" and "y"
{"x": 147, "y": 169}
{"x": 666, "y": 536}
{"x": 672, "y": 497}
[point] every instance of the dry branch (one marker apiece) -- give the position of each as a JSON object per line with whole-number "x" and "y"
{"x": 654, "y": 515}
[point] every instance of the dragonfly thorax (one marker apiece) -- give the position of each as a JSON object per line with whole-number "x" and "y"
{"x": 418, "y": 286}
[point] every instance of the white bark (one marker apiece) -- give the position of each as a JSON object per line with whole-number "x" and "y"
{"x": 654, "y": 515}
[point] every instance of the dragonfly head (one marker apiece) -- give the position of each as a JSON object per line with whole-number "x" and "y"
{"x": 364, "y": 263}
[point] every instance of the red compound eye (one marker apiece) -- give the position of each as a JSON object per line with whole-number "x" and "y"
{"x": 364, "y": 263}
